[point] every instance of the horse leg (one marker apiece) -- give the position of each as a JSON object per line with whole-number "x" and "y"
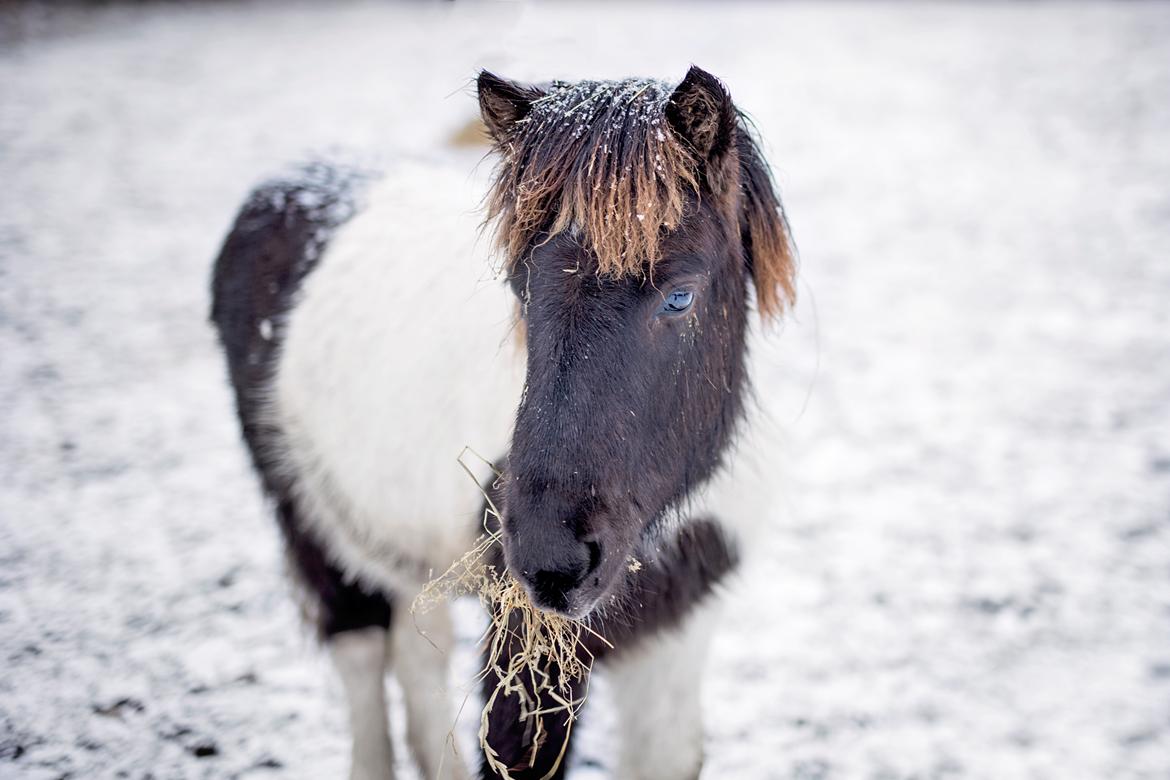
{"x": 360, "y": 659}
{"x": 352, "y": 620}
{"x": 660, "y": 649}
{"x": 420, "y": 652}
{"x": 656, "y": 688}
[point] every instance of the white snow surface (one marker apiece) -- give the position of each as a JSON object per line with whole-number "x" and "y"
{"x": 966, "y": 568}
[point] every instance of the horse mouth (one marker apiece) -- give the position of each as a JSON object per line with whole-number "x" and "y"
{"x": 567, "y": 563}
{"x": 570, "y": 597}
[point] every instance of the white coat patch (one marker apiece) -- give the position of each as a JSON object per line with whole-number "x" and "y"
{"x": 398, "y": 354}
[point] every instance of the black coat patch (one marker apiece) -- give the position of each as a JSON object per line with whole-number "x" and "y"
{"x": 276, "y": 241}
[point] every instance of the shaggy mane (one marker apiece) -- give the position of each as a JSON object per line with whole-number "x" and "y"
{"x": 600, "y": 160}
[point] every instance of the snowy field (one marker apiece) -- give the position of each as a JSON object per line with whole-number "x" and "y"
{"x": 966, "y": 569}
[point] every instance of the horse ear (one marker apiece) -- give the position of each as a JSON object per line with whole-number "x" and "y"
{"x": 502, "y": 102}
{"x": 701, "y": 112}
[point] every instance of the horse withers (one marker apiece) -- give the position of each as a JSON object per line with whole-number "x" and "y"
{"x": 637, "y": 226}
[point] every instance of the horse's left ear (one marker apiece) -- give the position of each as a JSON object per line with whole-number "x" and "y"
{"x": 701, "y": 112}
{"x": 503, "y": 103}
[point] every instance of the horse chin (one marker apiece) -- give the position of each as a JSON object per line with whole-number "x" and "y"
{"x": 574, "y": 606}
{"x": 576, "y": 610}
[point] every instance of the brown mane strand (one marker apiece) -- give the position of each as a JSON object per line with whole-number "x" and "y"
{"x": 765, "y": 231}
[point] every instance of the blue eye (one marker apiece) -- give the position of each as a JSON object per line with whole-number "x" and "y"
{"x": 679, "y": 300}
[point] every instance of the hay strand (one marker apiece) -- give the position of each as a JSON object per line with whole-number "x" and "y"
{"x": 534, "y": 655}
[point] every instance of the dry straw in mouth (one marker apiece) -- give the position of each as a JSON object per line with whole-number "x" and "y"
{"x": 536, "y": 656}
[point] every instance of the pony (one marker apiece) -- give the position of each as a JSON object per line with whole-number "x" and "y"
{"x": 369, "y": 340}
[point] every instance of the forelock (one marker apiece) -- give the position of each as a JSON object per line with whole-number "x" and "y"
{"x": 596, "y": 158}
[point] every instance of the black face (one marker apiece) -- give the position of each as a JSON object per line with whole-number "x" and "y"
{"x": 633, "y": 388}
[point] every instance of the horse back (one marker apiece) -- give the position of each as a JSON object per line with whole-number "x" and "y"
{"x": 275, "y": 242}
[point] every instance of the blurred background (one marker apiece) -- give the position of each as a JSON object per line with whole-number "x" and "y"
{"x": 966, "y": 570}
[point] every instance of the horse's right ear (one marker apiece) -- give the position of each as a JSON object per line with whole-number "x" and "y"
{"x": 503, "y": 103}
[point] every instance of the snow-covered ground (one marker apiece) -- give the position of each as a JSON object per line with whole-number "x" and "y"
{"x": 966, "y": 572}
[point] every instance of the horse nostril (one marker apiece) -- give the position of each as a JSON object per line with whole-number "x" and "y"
{"x": 594, "y": 557}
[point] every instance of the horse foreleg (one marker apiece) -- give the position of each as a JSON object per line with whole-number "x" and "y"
{"x": 360, "y": 658}
{"x": 420, "y": 653}
{"x": 660, "y": 648}
{"x": 656, "y": 689}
